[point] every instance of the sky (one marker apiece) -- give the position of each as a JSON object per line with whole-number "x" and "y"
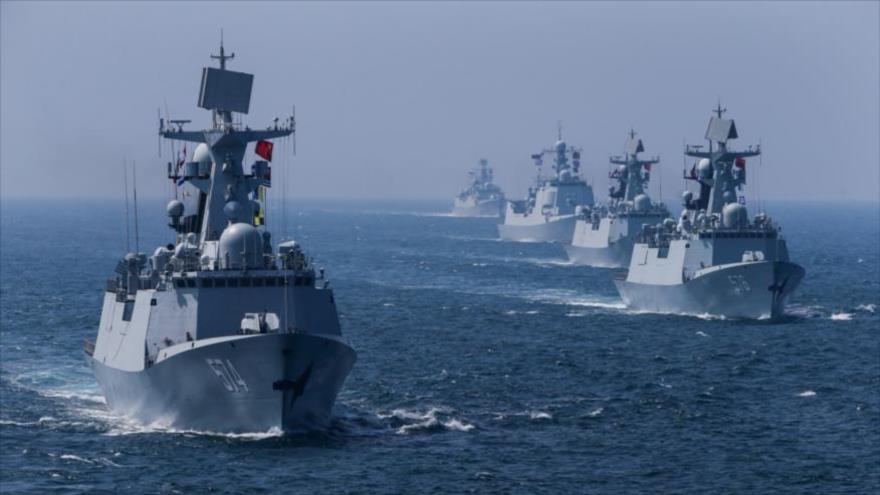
{"x": 399, "y": 100}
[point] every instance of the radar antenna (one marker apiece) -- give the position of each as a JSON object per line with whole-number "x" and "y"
{"x": 222, "y": 57}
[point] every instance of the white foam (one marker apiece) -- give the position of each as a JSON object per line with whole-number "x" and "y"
{"x": 595, "y": 412}
{"x": 702, "y": 333}
{"x": 869, "y": 308}
{"x": 807, "y": 393}
{"x": 540, "y": 415}
{"x": 841, "y": 316}
{"x": 71, "y": 457}
{"x": 425, "y": 420}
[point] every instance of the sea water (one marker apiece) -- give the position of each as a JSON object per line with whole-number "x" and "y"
{"x": 483, "y": 367}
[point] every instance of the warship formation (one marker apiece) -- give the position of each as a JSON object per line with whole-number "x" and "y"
{"x": 223, "y": 330}
{"x": 712, "y": 260}
{"x": 219, "y": 330}
{"x": 482, "y": 198}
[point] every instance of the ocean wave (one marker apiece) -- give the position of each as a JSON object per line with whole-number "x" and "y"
{"x": 596, "y": 412}
{"x": 807, "y": 393}
{"x": 408, "y": 421}
{"x": 539, "y": 415}
{"x": 868, "y": 308}
{"x": 841, "y": 316}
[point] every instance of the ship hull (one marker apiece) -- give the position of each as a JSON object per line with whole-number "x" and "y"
{"x": 492, "y": 209}
{"x": 616, "y": 255}
{"x": 738, "y": 290}
{"x": 559, "y": 229}
{"x": 252, "y": 383}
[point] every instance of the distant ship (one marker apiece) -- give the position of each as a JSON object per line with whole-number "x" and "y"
{"x": 714, "y": 261}
{"x": 482, "y": 198}
{"x": 604, "y": 236}
{"x": 548, "y": 212}
{"x": 216, "y": 331}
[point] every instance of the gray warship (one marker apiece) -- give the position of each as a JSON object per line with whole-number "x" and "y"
{"x": 482, "y": 198}
{"x": 217, "y": 331}
{"x": 548, "y": 212}
{"x": 604, "y": 235}
{"x": 714, "y": 260}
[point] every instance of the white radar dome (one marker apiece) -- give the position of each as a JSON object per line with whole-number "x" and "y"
{"x": 641, "y": 202}
{"x": 241, "y": 246}
{"x": 560, "y": 146}
{"x": 174, "y": 208}
{"x": 734, "y": 215}
{"x": 202, "y": 154}
{"x": 704, "y": 168}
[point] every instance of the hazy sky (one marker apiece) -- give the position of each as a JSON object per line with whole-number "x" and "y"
{"x": 399, "y": 100}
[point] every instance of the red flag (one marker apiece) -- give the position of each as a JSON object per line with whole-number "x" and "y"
{"x": 264, "y": 149}
{"x": 740, "y": 162}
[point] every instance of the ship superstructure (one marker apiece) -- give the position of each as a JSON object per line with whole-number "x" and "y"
{"x": 604, "y": 235}
{"x": 482, "y": 197}
{"x": 217, "y": 331}
{"x": 548, "y": 212}
{"x": 714, "y": 260}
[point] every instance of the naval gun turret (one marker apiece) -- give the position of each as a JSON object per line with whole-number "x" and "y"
{"x": 604, "y": 235}
{"x": 713, "y": 260}
{"x": 219, "y": 332}
{"x": 549, "y": 210}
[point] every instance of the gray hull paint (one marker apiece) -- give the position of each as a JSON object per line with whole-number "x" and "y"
{"x": 493, "y": 209}
{"x": 739, "y": 290}
{"x": 560, "y": 231}
{"x": 616, "y": 255}
{"x": 228, "y": 386}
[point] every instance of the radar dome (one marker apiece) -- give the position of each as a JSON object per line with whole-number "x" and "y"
{"x": 734, "y": 215}
{"x": 565, "y": 175}
{"x": 234, "y": 211}
{"x": 202, "y": 154}
{"x": 241, "y": 246}
{"x": 641, "y": 202}
{"x": 686, "y": 197}
{"x": 174, "y": 208}
{"x": 621, "y": 169}
{"x": 560, "y": 146}
{"x": 704, "y": 168}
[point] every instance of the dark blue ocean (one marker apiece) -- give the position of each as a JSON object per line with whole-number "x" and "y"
{"x": 484, "y": 367}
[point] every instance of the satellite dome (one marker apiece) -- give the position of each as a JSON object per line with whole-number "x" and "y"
{"x": 687, "y": 196}
{"x": 234, "y": 211}
{"x": 174, "y": 208}
{"x": 560, "y": 146}
{"x": 734, "y": 215}
{"x": 704, "y": 168}
{"x": 241, "y": 246}
{"x": 565, "y": 175}
{"x": 641, "y": 202}
{"x": 202, "y": 154}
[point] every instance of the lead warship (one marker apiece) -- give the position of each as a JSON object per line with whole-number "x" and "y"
{"x": 216, "y": 331}
{"x": 482, "y": 198}
{"x": 548, "y": 212}
{"x": 604, "y": 236}
{"x": 714, "y": 260}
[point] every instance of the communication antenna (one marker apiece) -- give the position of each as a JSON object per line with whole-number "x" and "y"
{"x": 137, "y": 248}
{"x": 293, "y": 128}
{"x": 127, "y": 214}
